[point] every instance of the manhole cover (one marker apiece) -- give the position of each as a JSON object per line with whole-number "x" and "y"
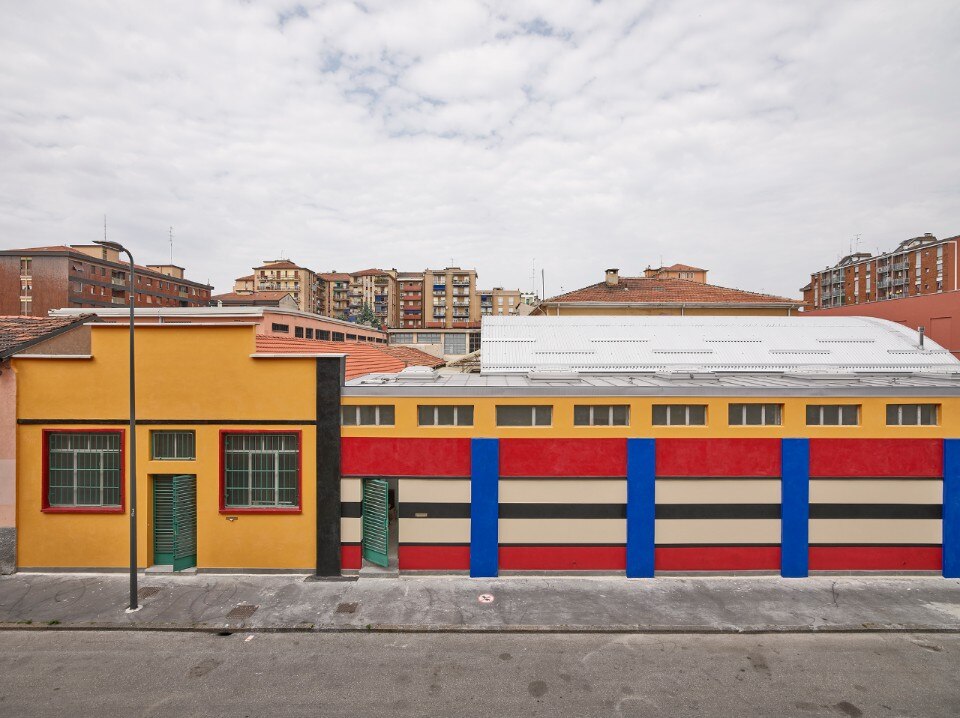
{"x": 347, "y": 607}
{"x": 148, "y": 591}
{"x": 244, "y": 610}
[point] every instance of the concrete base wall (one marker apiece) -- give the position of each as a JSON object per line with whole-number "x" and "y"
{"x": 8, "y": 549}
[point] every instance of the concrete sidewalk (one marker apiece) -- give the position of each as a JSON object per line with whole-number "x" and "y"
{"x": 446, "y": 603}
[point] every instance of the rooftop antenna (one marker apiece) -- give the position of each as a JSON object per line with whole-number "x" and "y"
{"x": 171, "y": 245}
{"x": 543, "y": 282}
{"x": 104, "y": 228}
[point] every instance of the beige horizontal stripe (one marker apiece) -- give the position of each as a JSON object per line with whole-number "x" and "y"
{"x": 454, "y": 491}
{"x": 718, "y": 491}
{"x": 885, "y": 531}
{"x": 351, "y": 490}
{"x": 876, "y": 491}
{"x": 351, "y": 530}
{"x": 717, "y": 531}
{"x": 560, "y": 531}
{"x": 434, "y": 530}
{"x": 563, "y": 491}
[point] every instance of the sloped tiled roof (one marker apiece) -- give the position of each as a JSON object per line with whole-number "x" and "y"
{"x": 367, "y": 273}
{"x": 683, "y": 268}
{"x": 335, "y": 277}
{"x": 263, "y": 296}
{"x": 411, "y": 356}
{"x": 651, "y": 290}
{"x": 280, "y": 264}
{"x": 244, "y": 279}
{"x": 18, "y": 333}
{"x": 362, "y": 358}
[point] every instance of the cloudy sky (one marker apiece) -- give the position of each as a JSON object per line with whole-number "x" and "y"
{"x": 756, "y": 139}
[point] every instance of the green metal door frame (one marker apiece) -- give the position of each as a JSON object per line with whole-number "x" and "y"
{"x": 376, "y": 531}
{"x": 175, "y": 521}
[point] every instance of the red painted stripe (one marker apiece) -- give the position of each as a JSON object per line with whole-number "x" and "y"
{"x": 361, "y": 455}
{"x": 718, "y": 457}
{"x": 717, "y": 558}
{"x": 876, "y": 457}
{"x": 876, "y": 558}
{"x": 563, "y": 457}
{"x": 350, "y": 556}
{"x": 563, "y": 558}
{"x": 439, "y": 558}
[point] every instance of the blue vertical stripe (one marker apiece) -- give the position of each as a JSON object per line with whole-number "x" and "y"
{"x": 951, "y": 508}
{"x": 795, "y": 508}
{"x": 641, "y": 506}
{"x": 484, "y": 506}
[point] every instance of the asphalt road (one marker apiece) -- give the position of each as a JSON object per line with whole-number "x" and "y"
{"x": 106, "y": 674}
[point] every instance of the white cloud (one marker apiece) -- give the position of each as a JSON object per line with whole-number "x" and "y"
{"x": 755, "y": 139}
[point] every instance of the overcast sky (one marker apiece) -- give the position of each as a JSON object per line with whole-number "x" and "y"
{"x": 755, "y": 139}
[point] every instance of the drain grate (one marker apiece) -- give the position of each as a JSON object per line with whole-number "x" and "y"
{"x": 148, "y": 591}
{"x": 243, "y": 610}
{"x": 347, "y": 607}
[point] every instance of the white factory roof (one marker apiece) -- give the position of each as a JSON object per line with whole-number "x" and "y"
{"x": 709, "y": 344}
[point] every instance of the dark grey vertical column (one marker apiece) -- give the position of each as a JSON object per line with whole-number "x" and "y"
{"x": 330, "y": 373}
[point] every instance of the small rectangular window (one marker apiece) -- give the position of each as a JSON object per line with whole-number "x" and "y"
{"x": 524, "y": 415}
{"x": 833, "y": 414}
{"x": 368, "y": 415}
{"x": 442, "y": 415}
{"x": 428, "y": 338}
{"x": 285, "y": 328}
{"x": 84, "y": 470}
{"x": 298, "y": 332}
{"x": 173, "y": 445}
{"x": 401, "y": 338}
{"x": 338, "y": 336}
{"x": 309, "y": 333}
{"x": 679, "y": 414}
{"x": 601, "y": 415}
{"x": 912, "y": 414}
{"x": 455, "y": 344}
{"x": 755, "y": 414}
{"x": 323, "y": 335}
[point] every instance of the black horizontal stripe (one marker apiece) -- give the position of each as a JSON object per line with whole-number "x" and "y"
{"x": 424, "y": 510}
{"x": 876, "y": 511}
{"x": 876, "y": 545}
{"x": 718, "y": 511}
{"x": 563, "y": 511}
{"x": 351, "y": 509}
{"x": 875, "y": 478}
{"x": 176, "y": 422}
{"x": 719, "y": 478}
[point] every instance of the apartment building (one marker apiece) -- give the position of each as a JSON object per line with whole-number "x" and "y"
{"x": 918, "y": 266}
{"x": 37, "y": 279}
{"x": 410, "y": 287}
{"x": 499, "y": 302}
{"x": 454, "y": 300}
{"x": 335, "y": 288}
{"x": 677, "y": 271}
{"x": 377, "y": 289}
{"x": 284, "y": 275}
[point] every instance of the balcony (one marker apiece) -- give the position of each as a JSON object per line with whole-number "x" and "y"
{"x": 117, "y": 300}
{"x": 900, "y": 266}
{"x": 439, "y": 287}
{"x": 118, "y": 281}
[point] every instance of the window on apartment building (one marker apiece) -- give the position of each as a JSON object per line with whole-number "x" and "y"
{"x": 323, "y": 335}
{"x": 508, "y": 415}
{"x": 833, "y": 414}
{"x": 281, "y": 327}
{"x": 912, "y": 414}
{"x": 368, "y": 415}
{"x": 601, "y": 415}
{"x": 173, "y": 445}
{"x": 309, "y": 332}
{"x": 338, "y": 337}
{"x": 25, "y": 265}
{"x": 84, "y": 470}
{"x": 428, "y": 338}
{"x": 755, "y": 414}
{"x": 298, "y": 332}
{"x": 679, "y": 414}
{"x": 455, "y": 344}
{"x": 443, "y": 415}
{"x": 474, "y": 342}
{"x": 261, "y": 471}
{"x": 26, "y": 306}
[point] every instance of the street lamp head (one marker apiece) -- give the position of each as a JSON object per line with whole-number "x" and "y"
{"x": 110, "y": 245}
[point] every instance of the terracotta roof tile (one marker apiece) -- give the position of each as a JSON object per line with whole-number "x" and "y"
{"x": 243, "y": 279}
{"x": 280, "y": 264}
{"x": 683, "y": 268}
{"x": 17, "y": 333}
{"x": 362, "y": 359}
{"x": 411, "y": 356}
{"x": 265, "y": 295}
{"x": 367, "y": 273}
{"x": 644, "y": 290}
{"x": 335, "y": 277}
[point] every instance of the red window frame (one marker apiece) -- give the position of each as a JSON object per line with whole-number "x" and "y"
{"x": 45, "y": 506}
{"x": 224, "y": 509}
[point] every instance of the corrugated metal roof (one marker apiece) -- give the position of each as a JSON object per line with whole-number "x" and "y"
{"x": 517, "y": 345}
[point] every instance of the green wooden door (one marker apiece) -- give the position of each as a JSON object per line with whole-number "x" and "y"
{"x": 175, "y": 521}
{"x": 376, "y": 535}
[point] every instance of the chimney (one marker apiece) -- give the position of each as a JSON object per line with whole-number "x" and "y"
{"x": 613, "y": 277}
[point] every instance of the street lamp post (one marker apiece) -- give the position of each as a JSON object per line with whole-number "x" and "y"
{"x": 134, "y": 604}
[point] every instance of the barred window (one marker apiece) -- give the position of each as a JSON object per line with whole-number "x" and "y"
{"x": 323, "y": 335}
{"x": 178, "y": 445}
{"x": 298, "y": 332}
{"x": 280, "y": 328}
{"x": 443, "y": 415}
{"x": 524, "y": 415}
{"x": 370, "y": 415}
{"x": 679, "y": 415}
{"x": 912, "y": 414}
{"x": 755, "y": 414}
{"x": 833, "y": 415}
{"x": 84, "y": 469}
{"x": 261, "y": 471}
{"x": 338, "y": 336}
{"x": 601, "y": 415}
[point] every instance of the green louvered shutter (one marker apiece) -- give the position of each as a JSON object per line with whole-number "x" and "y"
{"x": 375, "y": 519}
